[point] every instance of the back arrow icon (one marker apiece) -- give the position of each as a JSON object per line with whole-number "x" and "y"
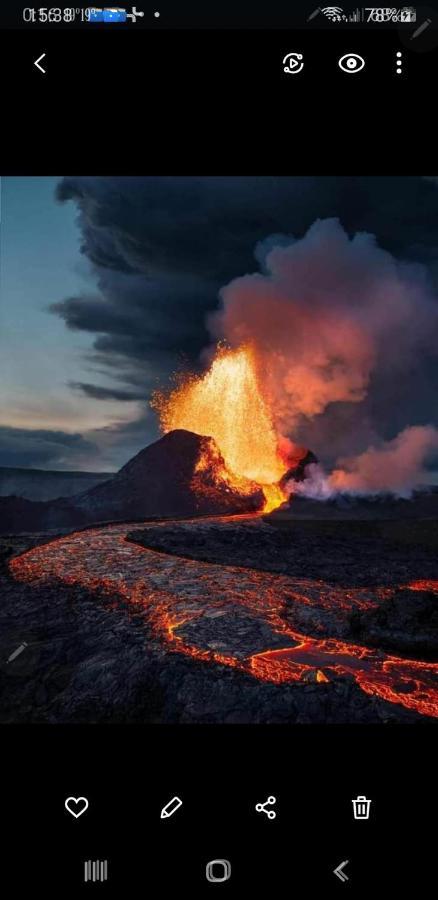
{"x": 339, "y": 871}
{"x": 37, "y": 63}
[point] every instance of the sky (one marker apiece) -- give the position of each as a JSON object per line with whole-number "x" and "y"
{"x": 108, "y": 285}
{"x": 41, "y": 263}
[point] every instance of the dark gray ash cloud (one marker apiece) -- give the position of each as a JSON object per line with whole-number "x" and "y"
{"x": 97, "y": 392}
{"x": 161, "y": 249}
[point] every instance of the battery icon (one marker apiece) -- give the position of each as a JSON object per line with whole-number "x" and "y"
{"x": 114, "y": 14}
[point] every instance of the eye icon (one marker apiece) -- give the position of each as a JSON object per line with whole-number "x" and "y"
{"x": 351, "y": 62}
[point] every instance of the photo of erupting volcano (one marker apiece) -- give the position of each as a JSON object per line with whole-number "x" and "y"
{"x": 219, "y": 450}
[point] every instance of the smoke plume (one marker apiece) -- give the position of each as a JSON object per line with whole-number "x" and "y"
{"x": 333, "y": 321}
{"x": 397, "y": 466}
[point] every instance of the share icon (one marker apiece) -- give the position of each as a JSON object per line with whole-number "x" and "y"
{"x": 261, "y": 807}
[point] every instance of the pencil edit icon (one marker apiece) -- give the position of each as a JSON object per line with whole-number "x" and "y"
{"x": 171, "y": 807}
{"x": 421, "y": 28}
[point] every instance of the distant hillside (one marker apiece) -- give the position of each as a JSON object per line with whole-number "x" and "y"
{"x": 39, "y": 484}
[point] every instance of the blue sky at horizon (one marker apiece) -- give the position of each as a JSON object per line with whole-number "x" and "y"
{"x": 40, "y": 264}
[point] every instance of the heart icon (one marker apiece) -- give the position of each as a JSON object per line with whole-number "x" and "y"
{"x": 76, "y": 806}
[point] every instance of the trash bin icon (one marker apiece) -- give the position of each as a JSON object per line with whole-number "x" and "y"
{"x": 361, "y": 808}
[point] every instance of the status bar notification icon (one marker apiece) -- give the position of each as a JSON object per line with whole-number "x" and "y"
{"x": 95, "y": 14}
{"x": 171, "y": 807}
{"x": 107, "y": 14}
{"x": 114, "y": 14}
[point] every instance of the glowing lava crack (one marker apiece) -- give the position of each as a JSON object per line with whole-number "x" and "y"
{"x": 179, "y": 597}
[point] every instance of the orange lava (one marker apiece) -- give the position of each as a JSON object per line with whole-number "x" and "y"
{"x": 227, "y": 404}
{"x": 211, "y": 461}
{"x": 424, "y": 584}
{"x": 407, "y": 682}
{"x": 170, "y": 592}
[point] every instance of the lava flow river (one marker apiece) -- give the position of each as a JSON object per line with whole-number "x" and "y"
{"x": 241, "y": 617}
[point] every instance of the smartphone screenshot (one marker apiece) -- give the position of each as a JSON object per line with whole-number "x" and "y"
{"x": 218, "y": 450}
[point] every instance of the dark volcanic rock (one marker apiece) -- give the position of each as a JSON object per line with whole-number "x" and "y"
{"x": 407, "y": 623}
{"x": 166, "y": 479}
{"x": 347, "y": 554}
{"x": 422, "y": 505}
{"x": 18, "y": 514}
{"x": 232, "y": 633}
{"x": 298, "y": 465}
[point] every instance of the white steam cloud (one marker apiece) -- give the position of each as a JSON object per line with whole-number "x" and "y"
{"x": 396, "y": 467}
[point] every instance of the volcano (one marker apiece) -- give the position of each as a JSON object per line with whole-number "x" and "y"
{"x": 182, "y": 474}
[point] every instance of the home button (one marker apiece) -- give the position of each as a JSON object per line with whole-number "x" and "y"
{"x": 218, "y": 870}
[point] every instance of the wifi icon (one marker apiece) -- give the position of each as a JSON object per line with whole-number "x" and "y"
{"x": 334, "y": 13}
